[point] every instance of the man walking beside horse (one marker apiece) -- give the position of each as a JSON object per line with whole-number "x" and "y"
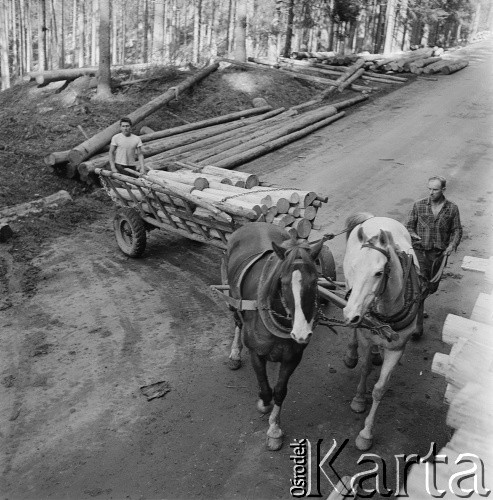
{"x": 436, "y": 231}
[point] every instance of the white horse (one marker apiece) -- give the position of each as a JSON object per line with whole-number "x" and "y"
{"x": 382, "y": 276}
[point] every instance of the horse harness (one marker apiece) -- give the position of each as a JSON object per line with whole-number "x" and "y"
{"x": 278, "y": 324}
{"x": 412, "y": 290}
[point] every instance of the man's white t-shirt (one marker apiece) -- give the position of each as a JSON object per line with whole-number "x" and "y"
{"x": 125, "y": 153}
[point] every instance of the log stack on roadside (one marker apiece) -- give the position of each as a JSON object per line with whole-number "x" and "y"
{"x": 412, "y": 61}
{"x": 468, "y": 370}
{"x": 226, "y": 141}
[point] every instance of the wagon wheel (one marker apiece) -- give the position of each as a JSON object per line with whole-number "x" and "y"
{"x": 130, "y": 232}
{"x": 325, "y": 263}
{"x": 326, "y": 267}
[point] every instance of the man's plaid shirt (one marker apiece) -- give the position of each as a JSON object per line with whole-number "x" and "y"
{"x": 435, "y": 232}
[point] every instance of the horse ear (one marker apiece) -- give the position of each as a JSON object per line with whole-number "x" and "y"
{"x": 315, "y": 249}
{"x": 384, "y": 237}
{"x": 361, "y": 235}
{"x": 280, "y": 251}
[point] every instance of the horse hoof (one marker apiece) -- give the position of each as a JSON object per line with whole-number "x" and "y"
{"x": 350, "y": 362}
{"x": 274, "y": 444}
{"x": 263, "y": 409}
{"x": 358, "y": 405}
{"x": 376, "y": 359}
{"x": 362, "y": 443}
{"x": 234, "y": 364}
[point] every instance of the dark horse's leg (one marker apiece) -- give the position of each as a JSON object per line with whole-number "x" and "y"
{"x": 259, "y": 363}
{"x": 274, "y": 433}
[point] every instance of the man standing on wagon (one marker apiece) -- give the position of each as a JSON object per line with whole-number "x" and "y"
{"x": 436, "y": 231}
{"x": 125, "y": 148}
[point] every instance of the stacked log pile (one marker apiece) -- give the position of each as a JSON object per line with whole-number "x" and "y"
{"x": 468, "y": 369}
{"x": 208, "y": 203}
{"x": 420, "y": 61}
{"x": 227, "y": 141}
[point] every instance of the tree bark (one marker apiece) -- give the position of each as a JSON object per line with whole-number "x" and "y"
{"x": 240, "y": 31}
{"x": 13, "y": 212}
{"x": 4, "y": 47}
{"x": 255, "y": 152}
{"x": 104, "y": 81}
{"x": 91, "y": 146}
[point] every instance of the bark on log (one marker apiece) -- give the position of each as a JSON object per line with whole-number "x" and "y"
{"x": 283, "y": 220}
{"x": 313, "y": 79}
{"x": 236, "y": 141}
{"x": 202, "y": 144}
{"x": 247, "y": 143}
{"x": 350, "y": 80}
{"x": 255, "y": 152}
{"x": 45, "y": 77}
{"x": 53, "y": 200}
{"x": 56, "y": 158}
{"x": 205, "y": 123}
{"x": 435, "y": 67}
{"x": 78, "y": 154}
{"x": 347, "y": 74}
{"x": 154, "y": 148}
{"x": 146, "y": 130}
{"x": 453, "y": 67}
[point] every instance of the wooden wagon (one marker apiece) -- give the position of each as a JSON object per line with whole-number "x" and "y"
{"x": 205, "y": 205}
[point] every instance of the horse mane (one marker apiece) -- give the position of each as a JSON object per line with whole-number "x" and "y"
{"x": 355, "y": 220}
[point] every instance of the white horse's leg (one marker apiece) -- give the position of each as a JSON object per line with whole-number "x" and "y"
{"x": 390, "y": 360}
{"x": 358, "y": 404}
{"x": 274, "y": 433}
{"x": 235, "y": 355}
{"x": 351, "y": 356}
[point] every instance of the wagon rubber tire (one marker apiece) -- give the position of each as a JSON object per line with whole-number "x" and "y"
{"x": 325, "y": 263}
{"x": 130, "y": 232}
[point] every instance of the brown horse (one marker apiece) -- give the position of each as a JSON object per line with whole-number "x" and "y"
{"x": 273, "y": 278}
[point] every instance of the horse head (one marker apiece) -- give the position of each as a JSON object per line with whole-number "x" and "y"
{"x": 368, "y": 272}
{"x": 297, "y": 276}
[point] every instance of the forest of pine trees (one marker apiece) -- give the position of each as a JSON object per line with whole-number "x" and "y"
{"x": 38, "y": 35}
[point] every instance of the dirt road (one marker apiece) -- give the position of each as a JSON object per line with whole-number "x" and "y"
{"x": 96, "y": 326}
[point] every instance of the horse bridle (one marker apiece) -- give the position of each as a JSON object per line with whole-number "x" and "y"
{"x": 386, "y": 270}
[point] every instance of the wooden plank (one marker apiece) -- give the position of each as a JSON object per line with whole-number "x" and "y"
{"x": 483, "y": 309}
{"x": 478, "y": 264}
{"x": 456, "y": 327}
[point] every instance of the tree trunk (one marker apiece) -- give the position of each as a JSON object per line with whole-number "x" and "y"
{"x": 55, "y": 57}
{"x": 82, "y": 34}
{"x": 158, "y": 34}
{"x": 74, "y": 33}
{"x": 114, "y": 34}
{"x": 289, "y": 29}
{"x": 145, "y": 45}
{"x": 61, "y": 59}
{"x": 91, "y": 146}
{"x": 389, "y": 26}
{"x": 4, "y": 47}
{"x": 94, "y": 31}
{"x": 104, "y": 80}
{"x": 16, "y": 211}
{"x": 240, "y": 31}
{"x": 255, "y": 152}
{"x": 29, "y": 36}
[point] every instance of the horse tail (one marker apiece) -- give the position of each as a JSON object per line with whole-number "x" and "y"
{"x": 355, "y": 220}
